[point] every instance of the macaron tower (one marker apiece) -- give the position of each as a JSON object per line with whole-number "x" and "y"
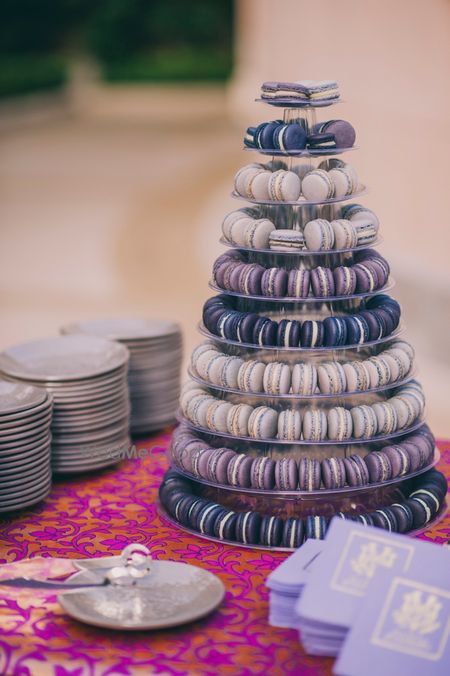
{"x": 302, "y": 402}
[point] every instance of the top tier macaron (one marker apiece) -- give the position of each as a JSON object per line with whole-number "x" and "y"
{"x": 300, "y": 93}
{"x": 295, "y": 138}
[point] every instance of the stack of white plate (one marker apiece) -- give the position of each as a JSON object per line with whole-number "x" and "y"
{"x": 156, "y": 352}
{"x": 87, "y": 377}
{"x": 25, "y": 472}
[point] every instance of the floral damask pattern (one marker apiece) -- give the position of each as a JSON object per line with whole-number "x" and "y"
{"x": 99, "y": 514}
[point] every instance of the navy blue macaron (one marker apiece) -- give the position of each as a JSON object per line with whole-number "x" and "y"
{"x": 335, "y": 331}
{"x": 312, "y": 333}
{"x": 357, "y": 329}
{"x": 249, "y": 138}
{"x": 321, "y": 140}
{"x": 315, "y": 527}
{"x": 248, "y": 528}
{"x": 264, "y": 134}
{"x": 385, "y": 518}
{"x": 265, "y": 332}
{"x": 271, "y": 531}
{"x": 207, "y": 517}
{"x": 246, "y": 326}
{"x": 288, "y": 334}
{"x": 289, "y": 137}
{"x": 403, "y": 515}
{"x": 225, "y": 525}
{"x": 293, "y": 533}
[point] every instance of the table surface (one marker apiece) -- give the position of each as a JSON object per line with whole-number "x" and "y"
{"x": 99, "y": 514}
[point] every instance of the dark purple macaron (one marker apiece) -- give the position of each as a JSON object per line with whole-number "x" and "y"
{"x": 265, "y": 332}
{"x": 403, "y": 515}
{"x": 246, "y": 327}
{"x": 262, "y": 474}
{"x": 309, "y": 474}
{"x": 344, "y": 280}
{"x": 298, "y": 283}
{"x": 379, "y": 466}
{"x": 286, "y": 474}
{"x": 274, "y": 282}
{"x": 288, "y": 334}
{"x": 248, "y": 528}
{"x": 366, "y": 278}
{"x": 356, "y": 471}
{"x": 381, "y": 267}
{"x": 335, "y": 331}
{"x": 239, "y": 469}
{"x": 399, "y": 459}
{"x": 416, "y": 454}
{"x": 250, "y": 279}
{"x": 357, "y": 329}
{"x": 375, "y": 325}
{"x": 187, "y": 453}
{"x": 217, "y": 467}
{"x": 271, "y": 531}
{"x": 200, "y": 459}
{"x": 312, "y": 333}
{"x": 231, "y": 281}
{"x": 342, "y": 130}
{"x": 322, "y": 282}
{"x": 333, "y": 472}
{"x": 224, "y": 526}
{"x": 293, "y": 533}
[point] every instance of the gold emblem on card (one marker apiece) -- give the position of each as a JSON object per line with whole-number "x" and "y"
{"x": 362, "y": 555}
{"x": 414, "y": 620}
{"x": 370, "y": 557}
{"x": 418, "y": 614}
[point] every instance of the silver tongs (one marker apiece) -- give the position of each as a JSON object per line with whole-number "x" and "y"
{"x": 135, "y": 566}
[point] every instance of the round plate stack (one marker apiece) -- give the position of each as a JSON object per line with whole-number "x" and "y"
{"x": 87, "y": 377}
{"x": 25, "y": 473}
{"x": 156, "y": 353}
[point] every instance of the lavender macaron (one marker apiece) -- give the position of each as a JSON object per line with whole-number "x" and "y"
{"x": 262, "y": 474}
{"x": 286, "y": 474}
{"x": 309, "y": 474}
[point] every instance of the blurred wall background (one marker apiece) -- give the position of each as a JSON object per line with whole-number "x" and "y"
{"x": 121, "y": 126}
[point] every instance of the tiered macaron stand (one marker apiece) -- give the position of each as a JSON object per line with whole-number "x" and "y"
{"x": 298, "y": 503}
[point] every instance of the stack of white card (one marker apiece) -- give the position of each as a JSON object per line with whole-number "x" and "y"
{"x": 287, "y": 581}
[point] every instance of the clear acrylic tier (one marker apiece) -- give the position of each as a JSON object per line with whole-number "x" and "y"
{"x": 242, "y": 348}
{"x": 309, "y": 299}
{"x": 302, "y": 202}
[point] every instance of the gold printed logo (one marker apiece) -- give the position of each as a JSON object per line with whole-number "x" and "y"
{"x": 414, "y": 620}
{"x": 372, "y": 556}
{"x": 417, "y": 615}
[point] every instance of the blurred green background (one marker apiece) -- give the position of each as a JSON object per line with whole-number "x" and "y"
{"x": 131, "y": 41}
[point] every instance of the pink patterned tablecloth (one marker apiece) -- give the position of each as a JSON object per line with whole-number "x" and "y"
{"x": 99, "y": 514}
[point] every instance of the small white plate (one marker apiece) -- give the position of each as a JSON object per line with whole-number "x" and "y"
{"x": 174, "y": 594}
{"x": 63, "y": 358}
